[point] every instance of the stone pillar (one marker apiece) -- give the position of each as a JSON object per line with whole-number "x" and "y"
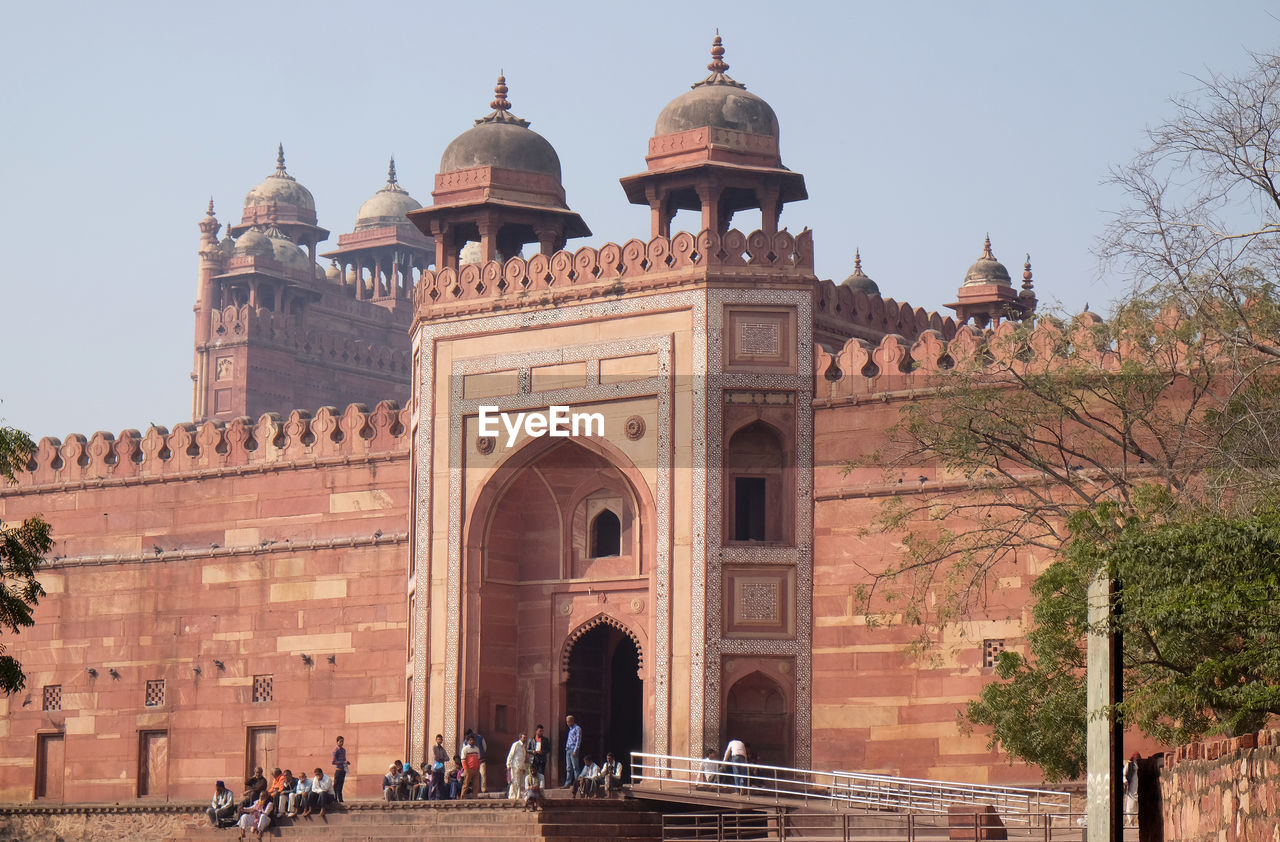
{"x": 1105, "y": 735}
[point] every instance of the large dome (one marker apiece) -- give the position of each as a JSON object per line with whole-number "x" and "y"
{"x": 280, "y": 188}
{"x": 388, "y": 206}
{"x": 718, "y": 106}
{"x": 987, "y": 270}
{"x": 501, "y": 140}
{"x": 719, "y": 102}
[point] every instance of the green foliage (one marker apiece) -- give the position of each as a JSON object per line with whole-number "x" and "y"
{"x": 1200, "y": 627}
{"x": 22, "y": 550}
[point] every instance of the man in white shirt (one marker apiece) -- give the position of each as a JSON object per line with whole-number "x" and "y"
{"x": 517, "y": 767}
{"x": 223, "y": 807}
{"x": 735, "y": 754}
{"x": 300, "y": 796}
{"x": 321, "y": 793}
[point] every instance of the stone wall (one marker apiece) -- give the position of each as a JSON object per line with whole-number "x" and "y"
{"x": 258, "y": 588}
{"x": 1223, "y": 790}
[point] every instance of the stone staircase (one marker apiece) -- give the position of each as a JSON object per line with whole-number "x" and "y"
{"x": 490, "y": 819}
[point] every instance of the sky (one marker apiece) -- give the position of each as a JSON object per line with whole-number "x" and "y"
{"x": 919, "y": 128}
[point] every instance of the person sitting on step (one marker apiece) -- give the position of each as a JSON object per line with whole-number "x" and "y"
{"x": 588, "y": 780}
{"x": 611, "y": 775}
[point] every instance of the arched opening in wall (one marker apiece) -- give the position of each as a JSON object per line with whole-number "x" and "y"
{"x": 757, "y": 712}
{"x": 605, "y": 695}
{"x": 606, "y": 535}
{"x": 756, "y": 464}
{"x": 687, "y": 220}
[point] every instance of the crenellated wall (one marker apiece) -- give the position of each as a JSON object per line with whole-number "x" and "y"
{"x": 612, "y": 269}
{"x": 213, "y": 559}
{"x": 839, "y": 308}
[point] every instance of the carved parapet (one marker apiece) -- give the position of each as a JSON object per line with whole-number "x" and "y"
{"x": 216, "y": 445}
{"x": 240, "y": 324}
{"x": 899, "y": 363}
{"x": 612, "y": 268}
{"x": 880, "y": 315}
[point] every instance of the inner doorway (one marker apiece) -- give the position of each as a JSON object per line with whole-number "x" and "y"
{"x": 757, "y": 713}
{"x": 605, "y": 695}
{"x": 153, "y": 764}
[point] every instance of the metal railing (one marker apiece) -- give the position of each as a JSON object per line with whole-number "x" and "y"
{"x": 777, "y": 825}
{"x": 845, "y": 790}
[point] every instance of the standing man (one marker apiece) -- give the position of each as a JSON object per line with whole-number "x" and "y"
{"x": 340, "y": 767}
{"x": 572, "y": 752}
{"x": 470, "y": 767}
{"x": 537, "y": 753}
{"x": 517, "y": 767}
{"x": 735, "y": 754}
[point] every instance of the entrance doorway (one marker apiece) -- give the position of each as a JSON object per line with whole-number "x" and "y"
{"x": 757, "y": 713}
{"x": 605, "y": 695}
{"x": 153, "y": 764}
{"x": 50, "y": 766}
{"x": 260, "y": 750}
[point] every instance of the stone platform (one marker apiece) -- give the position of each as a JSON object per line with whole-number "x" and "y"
{"x": 491, "y": 819}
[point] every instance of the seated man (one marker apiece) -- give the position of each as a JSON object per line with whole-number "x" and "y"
{"x": 286, "y": 792}
{"x": 321, "y": 793}
{"x": 300, "y": 796}
{"x": 533, "y": 791}
{"x": 275, "y": 785}
{"x": 611, "y": 774}
{"x": 258, "y": 817}
{"x": 222, "y": 812}
{"x": 254, "y": 785}
{"x": 588, "y": 780}
{"x": 391, "y": 783}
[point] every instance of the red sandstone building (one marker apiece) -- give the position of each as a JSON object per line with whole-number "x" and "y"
{"x": 337, "y": 544}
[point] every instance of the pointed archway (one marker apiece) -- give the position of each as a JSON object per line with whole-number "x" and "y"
{"x": 758, "y": 712}
{"x": 604, "y": 692}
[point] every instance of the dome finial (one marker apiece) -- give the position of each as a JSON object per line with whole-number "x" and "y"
{"x": 280, "y": 159}
{"x": 501, "y": 106}
{"x": 718, "y": 66}
{"x": 1027, "y": 283}
{"x": 391, "y": 172}
{"x": 986, "y": 249}
{"x": 857, "y": 261}
{"x": 209, "y": 212}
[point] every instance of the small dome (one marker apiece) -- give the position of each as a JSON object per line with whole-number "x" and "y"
{"x": 333, "y": 273}
{"x": 987, "y": 270}
{"x": 858, "y": 280}
{"x": 253, "y": 243}
{"x": 285, "y": 251}
{"x": 720, "y": 102}
{"x": 388, "y": 206}
{"x": 501, "y": 140}
{"x": 280, "y": 188}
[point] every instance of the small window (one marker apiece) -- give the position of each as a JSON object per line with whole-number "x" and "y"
{"x": 155, "y": 693}
{"x": 262, "y": 688}
{"x": 53, "y": 697}
{"x": 749, "y": 509}
{"x": 500, "y": 719}
{"x": 991, "y": 649}
{"x": 606, "y": 535}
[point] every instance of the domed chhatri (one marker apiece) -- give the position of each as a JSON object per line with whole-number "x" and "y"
{"x": 858, "y": 280}
{"x": 501, "y": 139}
{"x": 253, "y": 243}
{"x": 718, "y": 101}
{"x": 280, "y": 188}
{"x": 498, "y": 185}
{"x": 388, "y": 206}
{"x": 986, "y": 269}
{"x": 715, "y": 150}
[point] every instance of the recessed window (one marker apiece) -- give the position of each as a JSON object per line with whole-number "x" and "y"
{"x": 262, "y": 688}
{"x": 53, "y": 697}
{"x": 749, "y": 508}
{"x": 991, "y": 649}
{"x": 155, "y": 693}
{"x": 606, "y": 535}
{"x": 500, "y": 715}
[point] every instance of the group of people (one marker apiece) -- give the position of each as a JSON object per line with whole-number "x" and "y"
{"x": 731, "y": 770}
{"x": 527, "y": 763}
{"x": 265, "y": 799}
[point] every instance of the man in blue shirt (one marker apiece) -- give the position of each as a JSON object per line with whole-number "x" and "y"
{"x": 572, "y": 753}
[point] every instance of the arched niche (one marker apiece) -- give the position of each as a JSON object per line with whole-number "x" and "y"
{"x": 759, "y": 711}
{"x": 759, "y": 485}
